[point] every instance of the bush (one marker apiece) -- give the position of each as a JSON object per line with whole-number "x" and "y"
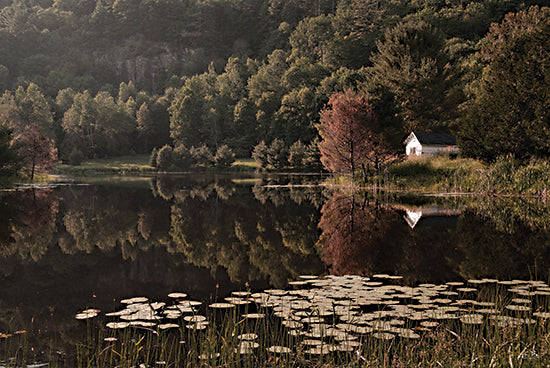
{"x": 259, "y": 154}
{"x": 153, "y": 157}
{"x": 277, "y": 155}
{"x": 297, "y": 154}
{"x": 165, "y": 158}
{"x": 202, "y": 156}
{"x": 76, "y": 157}
{"x": 224, "y": 156}
{"x": 182, "y": 157}
{"x": 312, "y": 159}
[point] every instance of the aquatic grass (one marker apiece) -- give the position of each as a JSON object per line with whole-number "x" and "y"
{"x": 385, "y": 324}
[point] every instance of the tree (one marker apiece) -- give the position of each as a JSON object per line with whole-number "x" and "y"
{"x": 277, "y": 154}
{"x": 313, "y": 38}
{"x": 259, "y": 154}
{"x": 347, "y": 130}
{"x": 510, "y": 110}
{"x": 153, "y": 157}
{"x": 145, "y": 125}
{"x": 8, "y": 153}
{"x": 202, "y": 155}
{"x": 224, "y": 156}
{"x": 297, "y": 154}
{"x": 191, "y": 121}
{"x": 37, "y": 151}
{"x": 412, "y": 64}
{"x": 164, "y": 158}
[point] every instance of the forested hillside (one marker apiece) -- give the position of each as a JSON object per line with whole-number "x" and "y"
{"x": 97, "y": 78}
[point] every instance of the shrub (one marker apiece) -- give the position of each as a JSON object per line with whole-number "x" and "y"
{"x": 259, "y": 154}
{"x": 202, "y": 155}
{"x": 224, "y": 156}
{"x": 153, "y": 157}
{"x": 312, "y": 159}
{"x": 182, "y": 157}
{"x": 164, "y": 158}
{"x": 296, "y": 154}
{"x": 277, "y": 154}
{"x": 76, "y": 157}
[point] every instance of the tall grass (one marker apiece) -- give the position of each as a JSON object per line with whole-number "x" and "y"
{"x": 451, "y": 344}
{"x": 506, "y": 176}
{"x": 470, "y": 329}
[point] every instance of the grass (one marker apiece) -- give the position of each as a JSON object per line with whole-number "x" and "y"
{"x": 477, "y": 326}
{"x": 134, "y": 164}
{"x": 434, "y": 174}
{"x": 441, "y": 174}
{"x": 119, "y": 165}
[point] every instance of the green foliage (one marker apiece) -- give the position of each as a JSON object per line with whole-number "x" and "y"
{"x": 202, "y": 156}
{"x": 76, "y": 157}
{"x": 9, "y": 163}
{"x": 510, "y": 113}
{"x": 255, "y": 71}
{"x": 183, "y": 158}
{"x": 297, "y": 154}
{"x": 224, "y": 156}
{"x": 277, "y": 154}
{"x": 312, "y": 159}
{"x": 153, "y": 157}
{"x": 165, "y": 158}
{"x": 412, "y": 64}
{"x": 506, "y": 176}
{"x": 259, "y": 154}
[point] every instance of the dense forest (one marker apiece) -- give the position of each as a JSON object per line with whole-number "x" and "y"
{"x": 214, "y": 78}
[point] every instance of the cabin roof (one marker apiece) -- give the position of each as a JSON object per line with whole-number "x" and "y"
{"x": 432, "y": 139}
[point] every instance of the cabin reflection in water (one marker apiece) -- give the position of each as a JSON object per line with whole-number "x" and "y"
{"x": 430, "y": 216}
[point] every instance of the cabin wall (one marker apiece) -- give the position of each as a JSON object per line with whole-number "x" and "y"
{"x": 438, "y": 150}
{"x": 413, "y": 148}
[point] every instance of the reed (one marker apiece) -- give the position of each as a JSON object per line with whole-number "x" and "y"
{"x": 332, "y": 322}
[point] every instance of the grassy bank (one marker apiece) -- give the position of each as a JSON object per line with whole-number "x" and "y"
{"x": 134, "y": 165}
{"x": 506, "y": 176}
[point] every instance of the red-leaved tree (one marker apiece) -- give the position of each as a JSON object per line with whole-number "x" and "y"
{"x": 346, "y": 126}
{"x": 37, "y": 151}
{"x": 351, "y": 134}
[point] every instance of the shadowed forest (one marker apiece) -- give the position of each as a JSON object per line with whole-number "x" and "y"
{"x": 91, "y": 79}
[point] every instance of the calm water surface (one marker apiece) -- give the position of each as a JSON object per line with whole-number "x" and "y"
{"x": 94, "y": 242}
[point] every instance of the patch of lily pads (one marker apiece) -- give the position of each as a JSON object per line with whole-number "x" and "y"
{"x": 324, "y": 315}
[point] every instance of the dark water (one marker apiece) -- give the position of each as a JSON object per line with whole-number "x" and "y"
{"x": 68, "y": 247}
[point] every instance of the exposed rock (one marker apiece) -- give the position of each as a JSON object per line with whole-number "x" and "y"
{"x": 140, "y": 62}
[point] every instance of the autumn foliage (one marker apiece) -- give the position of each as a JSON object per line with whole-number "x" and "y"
{"x": 37, "y": 151}
{"x": 348, "y": 236}
{"x": 348, "y": 130}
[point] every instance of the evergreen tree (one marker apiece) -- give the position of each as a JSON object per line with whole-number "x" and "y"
{"x": 510, "y": 113}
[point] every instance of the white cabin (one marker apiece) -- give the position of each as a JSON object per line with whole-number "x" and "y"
{"x": 422, "y": 144}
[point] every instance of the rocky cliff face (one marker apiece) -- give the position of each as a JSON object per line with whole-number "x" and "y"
{"x": 143, "y": 64}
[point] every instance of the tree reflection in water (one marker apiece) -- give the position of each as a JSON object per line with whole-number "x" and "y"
{"x": 272, "y": 241}
{"x": 354, "y": 234}
{"x": 60, "y": 247}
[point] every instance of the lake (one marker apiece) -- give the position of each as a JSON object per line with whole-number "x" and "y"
{"x": 90, "y": 243}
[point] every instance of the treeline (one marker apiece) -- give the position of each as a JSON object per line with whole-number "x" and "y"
{"x": 257, "y": 71}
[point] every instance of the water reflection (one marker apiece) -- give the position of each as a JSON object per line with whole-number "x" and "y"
{"x": 265, "y": 230}
{"x": 68, "y": 247}
{"x": 430, "y": 215}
